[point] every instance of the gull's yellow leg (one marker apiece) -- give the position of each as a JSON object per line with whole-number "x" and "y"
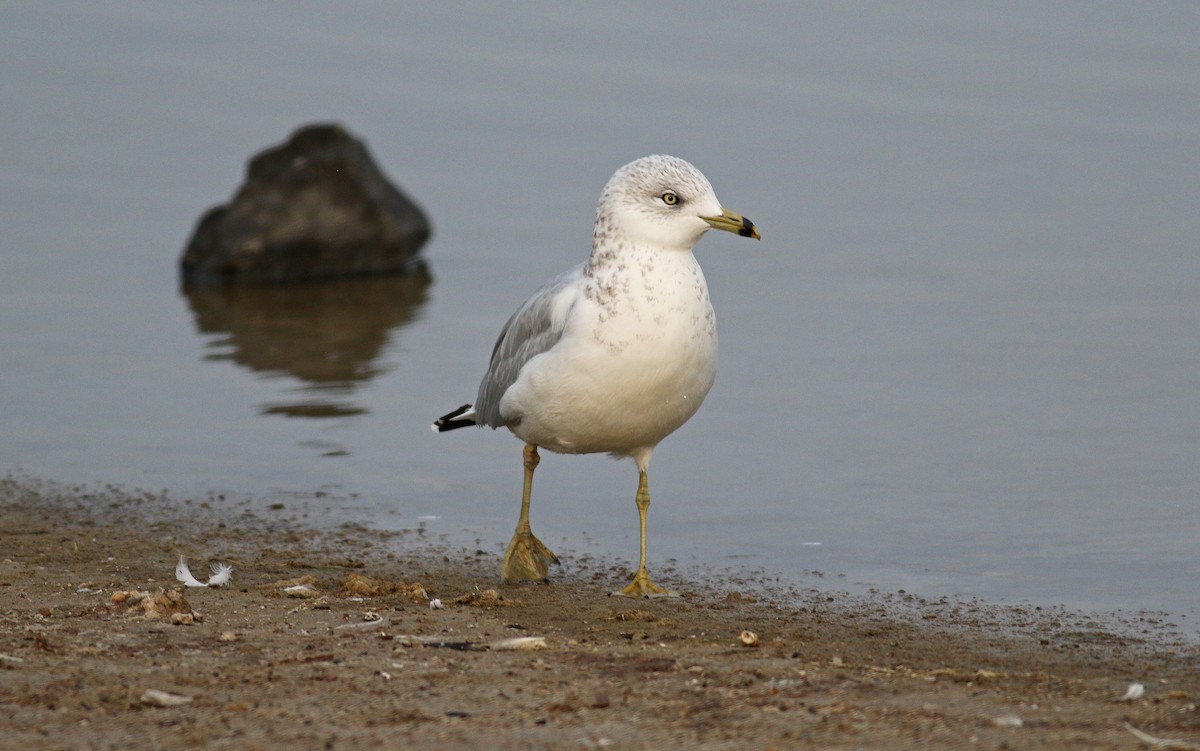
{"x": 526, "y": 559}
{"x": 641, "y": 586}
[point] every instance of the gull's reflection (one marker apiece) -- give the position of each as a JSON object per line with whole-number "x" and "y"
{"x": 328, "y": 334}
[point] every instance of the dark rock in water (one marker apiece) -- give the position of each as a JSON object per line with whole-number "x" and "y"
{"x": 316, "y": 206}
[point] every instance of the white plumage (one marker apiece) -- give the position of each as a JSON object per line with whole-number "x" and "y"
{"x": 616, "y": 354}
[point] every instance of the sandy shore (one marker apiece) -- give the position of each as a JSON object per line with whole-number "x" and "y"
{"x": 358, "y": 658}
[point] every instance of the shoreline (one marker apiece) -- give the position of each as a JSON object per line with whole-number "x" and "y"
{"x": 367, "y": 660}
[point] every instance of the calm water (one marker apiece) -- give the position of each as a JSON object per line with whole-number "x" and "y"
{"x": 965, "y": 359}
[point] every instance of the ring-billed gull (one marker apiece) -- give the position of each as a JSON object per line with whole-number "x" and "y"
{"x": 615, "y": 354}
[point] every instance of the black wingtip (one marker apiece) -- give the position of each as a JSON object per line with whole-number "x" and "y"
{"x": 448, "y": 421}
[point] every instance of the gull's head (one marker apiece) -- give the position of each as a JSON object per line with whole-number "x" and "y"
{"x": 663, "y": 201}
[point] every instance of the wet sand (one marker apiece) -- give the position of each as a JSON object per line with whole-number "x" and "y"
{"x": 358, "y": 658}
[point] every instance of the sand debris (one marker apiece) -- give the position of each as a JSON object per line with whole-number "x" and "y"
{"x": 488, "y": 598}
{"x": 163, "y": 603}
{"x": 978, "y": 677}
{"x": 361, "y": 585}
{"x": 631, "y": 615}
{"x": 305, "y": 587}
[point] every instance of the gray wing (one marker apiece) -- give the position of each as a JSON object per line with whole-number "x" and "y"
{"x": 532, "y": 330}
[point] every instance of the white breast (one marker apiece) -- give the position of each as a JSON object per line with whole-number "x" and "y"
{"x": 657, "y": 362}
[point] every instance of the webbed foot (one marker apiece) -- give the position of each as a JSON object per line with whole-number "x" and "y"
{"x": 641, "y": 586}
{"x": 526, "y": 559}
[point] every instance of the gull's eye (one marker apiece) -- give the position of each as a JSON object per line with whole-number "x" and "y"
{"x": 669, "y": 198}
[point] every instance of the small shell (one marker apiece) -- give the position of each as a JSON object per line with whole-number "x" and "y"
{"x": 749, "y": 639}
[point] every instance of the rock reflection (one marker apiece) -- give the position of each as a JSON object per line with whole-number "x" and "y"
{"x": 327, "y": 334}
